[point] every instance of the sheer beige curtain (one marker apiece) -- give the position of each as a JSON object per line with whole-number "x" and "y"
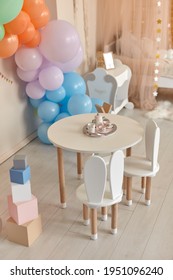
{"x": 134, "y": 27}
{"x": 171, "y": 24}
{"x": 85, "y": 22}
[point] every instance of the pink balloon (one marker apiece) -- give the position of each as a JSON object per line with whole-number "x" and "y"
{"x": 59, "y": 41}
{"x": 27, "y": 76}
{"x": 35, "y": 90}
{"x": 28, "y": 58}
{"x": 72, "y": 64}
{"x": 51, "y": 78}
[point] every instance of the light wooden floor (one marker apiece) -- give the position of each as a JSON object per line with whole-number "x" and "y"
{"x": 143, "y": 232}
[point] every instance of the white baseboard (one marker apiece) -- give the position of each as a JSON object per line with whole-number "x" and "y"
{"x": 17, "y": 147}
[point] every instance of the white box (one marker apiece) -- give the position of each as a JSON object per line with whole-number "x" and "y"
{"x": 21, "y": 192}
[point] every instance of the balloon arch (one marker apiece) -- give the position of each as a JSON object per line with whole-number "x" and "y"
{"x": 46, "y": 54}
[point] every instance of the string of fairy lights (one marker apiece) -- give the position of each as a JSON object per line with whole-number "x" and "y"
{"x": 158, "y": 40}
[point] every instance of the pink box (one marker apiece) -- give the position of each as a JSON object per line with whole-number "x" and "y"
{"x": 23, "y": 212}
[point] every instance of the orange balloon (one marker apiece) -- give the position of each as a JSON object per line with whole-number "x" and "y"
{"x": 28, "y": 34}
{"x": 19, "y": 24}
{"x": 33, "y": 7}
{"x": 35, "y": 41}
{"x": 29, "y": 3}
{"x": 8, "y": 45}
{"x": 42, "y": 20}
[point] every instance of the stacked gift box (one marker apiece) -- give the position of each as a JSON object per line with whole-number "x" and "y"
{"x": 24, "y": 223}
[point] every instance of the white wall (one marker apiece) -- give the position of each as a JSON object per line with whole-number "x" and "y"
{"x": 18, "y": 123}
{"x": 65, "y": 10}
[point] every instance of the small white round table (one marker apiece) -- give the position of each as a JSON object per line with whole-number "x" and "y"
{"x": 68, "y": 134}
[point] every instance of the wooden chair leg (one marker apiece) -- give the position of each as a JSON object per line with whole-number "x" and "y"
{"x": 129, "y": 191}
{"x": 143, "y": 184}
{"x": 114, "y": 219}
{"x": 93, "y": 223}
{"x": 104, "y": 213}
{"x": 148, "y": 191}
{"x": 85, "y": 215}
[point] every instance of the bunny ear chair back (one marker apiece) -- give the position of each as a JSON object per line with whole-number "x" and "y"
{"x": 145, "y": 166}
{"x": 98, "y": 192}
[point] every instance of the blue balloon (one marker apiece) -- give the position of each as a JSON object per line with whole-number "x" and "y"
{"x": 65, "y": 100}
{"x": 42, "y": 132}
{"x": 79, "y": 104}
{"x": 96, "y": 101}
{"x": 56, "y": 95}
{"x": 73, "y": 84}
{"x": 61, "y": 116}
{"x": 63, "y": 107}
{"x": 36, "y": 102}
{"x": 48, "y": 111}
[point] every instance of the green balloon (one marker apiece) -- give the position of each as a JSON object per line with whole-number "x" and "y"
{"x": 9, "y": 10}
{"x": 2, "y": 32}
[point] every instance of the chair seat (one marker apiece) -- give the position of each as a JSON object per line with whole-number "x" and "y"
{"x": 107, "y": 200}
{"x": 139, "y": 167}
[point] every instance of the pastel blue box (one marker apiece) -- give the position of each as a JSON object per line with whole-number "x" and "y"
{"x": 20, "y": 176}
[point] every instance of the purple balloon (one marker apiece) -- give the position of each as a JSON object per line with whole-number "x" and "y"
{"x": 59, "y": 41}
{"x": 51, "y": 78}
{"x": 72, "y": 64}
{"x": 28, "y": 59}
{"x": 35, "y": 90}
{"x": 27, "y": 76}
{"x": 45, "y": 63}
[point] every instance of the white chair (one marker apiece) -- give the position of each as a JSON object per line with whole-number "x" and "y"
{"x": 146, "y": 166}
{"x": 98, "y": 192}
{"x": 111, "y": 86}
{"x": 101, "y": 85}
{"x": 123, "y": 75}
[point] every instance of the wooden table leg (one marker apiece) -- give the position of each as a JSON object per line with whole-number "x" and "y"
{"x": 124, "y": 184}
{"x": 61, "y": 177}
{"x": 128, "y": 152}
{"x": 79, "y": 165}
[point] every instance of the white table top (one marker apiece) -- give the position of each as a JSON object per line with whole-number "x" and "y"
{"x": 68, "y": 134}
